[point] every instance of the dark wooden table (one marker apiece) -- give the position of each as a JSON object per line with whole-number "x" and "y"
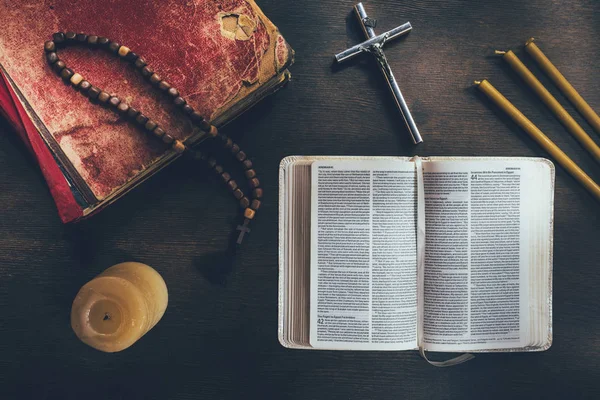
{"x": 220, "y": 341}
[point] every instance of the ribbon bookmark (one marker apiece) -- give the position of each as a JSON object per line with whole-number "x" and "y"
{"x": 421, "y": 271}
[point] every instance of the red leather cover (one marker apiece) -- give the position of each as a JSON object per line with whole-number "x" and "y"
{"x": 215, "y": 52}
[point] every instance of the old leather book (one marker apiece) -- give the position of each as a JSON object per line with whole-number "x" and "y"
{"x": 223, "y": 56}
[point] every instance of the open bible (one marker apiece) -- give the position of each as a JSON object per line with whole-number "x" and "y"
{"x": 438, "y": 253}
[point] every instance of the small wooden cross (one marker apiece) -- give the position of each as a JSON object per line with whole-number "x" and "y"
{"x": 243, "y": 230}
{"x": 374, "y": 45}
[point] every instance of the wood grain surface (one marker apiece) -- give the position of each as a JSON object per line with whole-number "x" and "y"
{"x": 220, "y": 341}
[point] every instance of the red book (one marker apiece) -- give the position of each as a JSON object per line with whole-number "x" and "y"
{"x": 223, "y": 56}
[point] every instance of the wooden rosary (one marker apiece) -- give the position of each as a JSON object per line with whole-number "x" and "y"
{"x": 98, "y": 96}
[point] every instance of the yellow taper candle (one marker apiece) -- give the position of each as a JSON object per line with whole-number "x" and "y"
{"x": 537, "y": 135}
{"x": 112, "y": 311}
{"x": 550, "y": 101}
{"x": 563, "y": 84}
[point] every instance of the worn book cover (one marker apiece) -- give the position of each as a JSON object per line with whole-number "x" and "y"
{"x": 223, "y": 56}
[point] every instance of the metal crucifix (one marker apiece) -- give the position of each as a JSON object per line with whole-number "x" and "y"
{"x": 374, "y": 45}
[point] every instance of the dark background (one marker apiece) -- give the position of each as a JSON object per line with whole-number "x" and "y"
{"x": 220, "y": 341}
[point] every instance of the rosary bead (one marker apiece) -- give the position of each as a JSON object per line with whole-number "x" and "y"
{"x": 84, "y": 86}
{"x": 58, "y": 66}
{"x": 238, "y": 194}
{"x": 81, "y": 37}
{"x": 123, "y": 51}
{"x": 93, "y": 92}
{"x": 168, "y": 139}
{"x": 255, "y": 205}
{"x": 123, "y": 107}
{"x": 164, "y": 85}
{"x": 114, "y": 47}
{"x": 103, "y": 97}
{"x": 247, "y": 164}
{"x": 140, "y": 62}
{"x": 66, "y": 74}
{"x": 178, "y": 146}
{"x": 212, "y": 162}
{"x": 155, "y": 78}
{"x": 92, "y": 40}
{"x": 49, "y": 46}
{"x": 186, "y": 108}
{"x": 102, "y": 41}
{"x": 228, "y": 144}
{"x": 254, "y": 183}
{"x": 258, "y": 193}
{"x": 131, "y": 57}
{"x": 141, "y": 119}
{"x": 52, "y": 57}
{"x": 241, "y": 156}
{"x": 179, "y": 101}
{"x": 250, "y": 173}
{"x": 147, "y": 71}
{"x": 232, "y": 184}
{"x": 244, "y": 202}
{"x": 114, "y": 101}
{"x": 218, "y": 169}
{"x": 235, "y": 149}
{"x": 132, "y": 112}
{"x": 196, "y": 117}
{"x": 173, "y": 92}
{"x": 150, "y": 125}
{"x": 58, "y": 37}
{"x": 226, "y": 177}
{"x": 249, "y": 213}
{"x": 70, "y": 36}
{"x": 158, "y": 132}
{"x": 76, "y": 79}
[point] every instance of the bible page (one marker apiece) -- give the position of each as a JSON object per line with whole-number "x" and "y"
{"x": 363, "y": 255}
{"x": 480, "y": 244}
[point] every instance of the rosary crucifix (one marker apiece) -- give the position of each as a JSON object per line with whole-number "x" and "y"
{"x": 374, "y": 45}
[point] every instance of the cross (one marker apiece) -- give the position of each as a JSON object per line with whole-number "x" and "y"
{"x": 243, "y": 230}
{"x": 374, "y": 45}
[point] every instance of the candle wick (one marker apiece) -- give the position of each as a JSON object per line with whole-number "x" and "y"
{"x": 106, "y": 317}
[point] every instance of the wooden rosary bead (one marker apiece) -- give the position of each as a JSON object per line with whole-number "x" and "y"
{"x": 70, "y": 36}
{"x": 132, "y": 113}
{"x": 114, "y": 101}
{"x": 258, "y": 193}
{"x": 52, "y": 57}
{"x": 81, "y": 37}
{"x": 218, "y": 169}
{"x": 131, "y": 57}
{"x": 178, "y": 146}
{"x": 76, "y": 79}
{"x": 84, "y": 86}
{"x": 93, "y": 92}
{"x": 241, "y": 156}
{"x": 187, "y": 109}
{"x": 155, "y": 78}
{"x": 164, "y": 85}
{"x": 250, "y": 173}
{"x": 114, "y": 47}
{"x": 49, "y": 46}
{"x": 158, "y": 132}
{"x": 244, "y": 202}
{"x": 150, "y": 125}
{"x": 103, "y": 97}
{"x": 102, "y": 41}
{"x": 168, "y": 139}
{"x": 58, "y": 37}
{"x": 247, "y": 164}
{"x": 238, "y": 194}
{"x": 123, "y": 51}
{"x": 249, "y": 213}
{"x": 235, "y": 149}
{"x": 92, "y": 40}
{"x": 173, "y": 92}
{"x": 207, "y": 127}
{"x": 196, "y": 117}
{"x": 179, "y": 101}
{"x": 147, "y": 72}
{"x": 140, "y": 62}
{"x": 226, "y": 177}
{"x": 141, "y": 119}
{"x": 228, "y": 144}
{"x": 59, "y": 66}
{"x": 254, "y": 183}
{"x": 255, "y": 205}
{"x": 66, "y": 74}
{"x": 232, "y": 184}
{"x": 122, "y": 108}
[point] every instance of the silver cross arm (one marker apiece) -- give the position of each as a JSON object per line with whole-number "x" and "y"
{"x": 374, "y": 45}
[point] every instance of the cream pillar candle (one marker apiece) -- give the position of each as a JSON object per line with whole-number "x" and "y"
{"x": 112, "y": 311}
